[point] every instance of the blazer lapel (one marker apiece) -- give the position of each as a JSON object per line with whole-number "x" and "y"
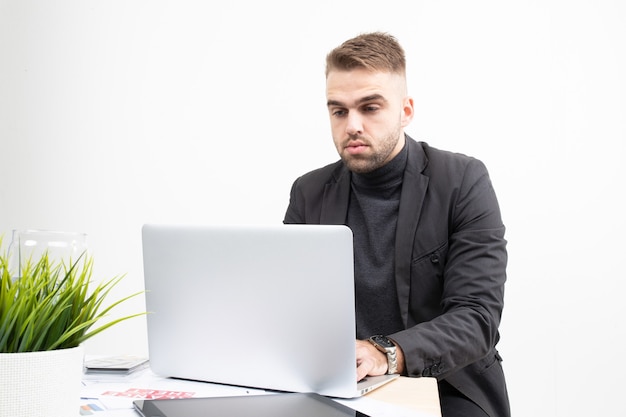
{"x": 336, "y": 199}
{"x": 414, "y": 186}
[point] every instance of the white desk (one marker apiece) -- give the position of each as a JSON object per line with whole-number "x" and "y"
{"x": 404, "y": 397}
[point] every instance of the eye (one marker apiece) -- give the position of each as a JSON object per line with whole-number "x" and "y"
{"x": 338, "y": 112}
{"x": 370, "y": 108}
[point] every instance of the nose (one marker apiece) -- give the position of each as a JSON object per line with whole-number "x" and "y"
{"x": 354, "y": 125}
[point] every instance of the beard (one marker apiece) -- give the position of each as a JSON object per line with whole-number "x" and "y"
{"x": 381, "y": 150}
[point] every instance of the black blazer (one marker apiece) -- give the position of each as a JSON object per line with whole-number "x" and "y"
{"x": 450, "y": 265}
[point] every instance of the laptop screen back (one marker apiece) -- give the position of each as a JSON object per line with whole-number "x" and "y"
{"x": 261, "y": 306}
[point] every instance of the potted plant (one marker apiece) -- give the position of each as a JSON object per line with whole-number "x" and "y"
{"x": 46, "y": 311}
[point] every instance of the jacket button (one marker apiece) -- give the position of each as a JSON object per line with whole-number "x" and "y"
{"x": 434, "y": 258}
{"x": 435, "y": 370}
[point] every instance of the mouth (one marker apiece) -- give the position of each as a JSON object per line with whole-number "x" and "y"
{"x": 355, "y": 147}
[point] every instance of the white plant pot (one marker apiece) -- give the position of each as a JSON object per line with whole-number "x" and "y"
{"x": 41, "y": 384}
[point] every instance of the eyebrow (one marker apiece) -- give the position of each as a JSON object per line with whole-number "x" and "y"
{"x": 362, "y": 100}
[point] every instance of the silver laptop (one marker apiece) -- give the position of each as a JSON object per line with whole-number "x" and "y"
{"x": 269, "y": 307}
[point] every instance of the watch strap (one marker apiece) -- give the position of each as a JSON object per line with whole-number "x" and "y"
{"x": 392, "y": 361}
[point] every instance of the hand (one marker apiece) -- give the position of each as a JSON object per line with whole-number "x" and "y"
{"x": 369, "y": 360}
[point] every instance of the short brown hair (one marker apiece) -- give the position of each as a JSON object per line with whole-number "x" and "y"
{"x": 376, "y": 51}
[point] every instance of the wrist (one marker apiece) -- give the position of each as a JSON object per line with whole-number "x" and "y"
{"x": 389, "y": 348}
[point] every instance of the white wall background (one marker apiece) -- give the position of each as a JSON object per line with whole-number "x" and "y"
{"x": 120, "y": 112}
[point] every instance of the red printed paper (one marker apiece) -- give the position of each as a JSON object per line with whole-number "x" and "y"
{"x": 149, "y": 394}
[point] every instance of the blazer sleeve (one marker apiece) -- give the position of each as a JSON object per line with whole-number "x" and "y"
{"x": 457, "y": 272}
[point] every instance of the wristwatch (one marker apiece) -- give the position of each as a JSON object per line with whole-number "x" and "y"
{"x": 389, "y": 348}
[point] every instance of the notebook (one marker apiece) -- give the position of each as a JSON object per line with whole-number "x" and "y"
{"x": 263, "y": 306}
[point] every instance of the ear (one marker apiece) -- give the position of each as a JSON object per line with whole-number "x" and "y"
{"x": 407, "y": 111}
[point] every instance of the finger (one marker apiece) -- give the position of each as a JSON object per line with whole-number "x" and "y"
{"x": 363, "y": 369}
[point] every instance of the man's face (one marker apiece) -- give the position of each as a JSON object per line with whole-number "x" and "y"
{"x": 368, "y": 112}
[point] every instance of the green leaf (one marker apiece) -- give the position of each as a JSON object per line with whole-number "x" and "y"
{"x": 53, "y": 305}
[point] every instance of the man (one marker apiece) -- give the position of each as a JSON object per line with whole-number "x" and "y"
{"x": 429, "y": 248}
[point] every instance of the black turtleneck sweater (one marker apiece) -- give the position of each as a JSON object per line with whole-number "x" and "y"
{"x": 372, "y": 216}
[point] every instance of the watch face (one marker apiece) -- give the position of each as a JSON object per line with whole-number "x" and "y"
{"x": 382, "y": 341}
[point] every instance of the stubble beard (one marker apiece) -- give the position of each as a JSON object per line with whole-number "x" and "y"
{"x": 363, "y": 164}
